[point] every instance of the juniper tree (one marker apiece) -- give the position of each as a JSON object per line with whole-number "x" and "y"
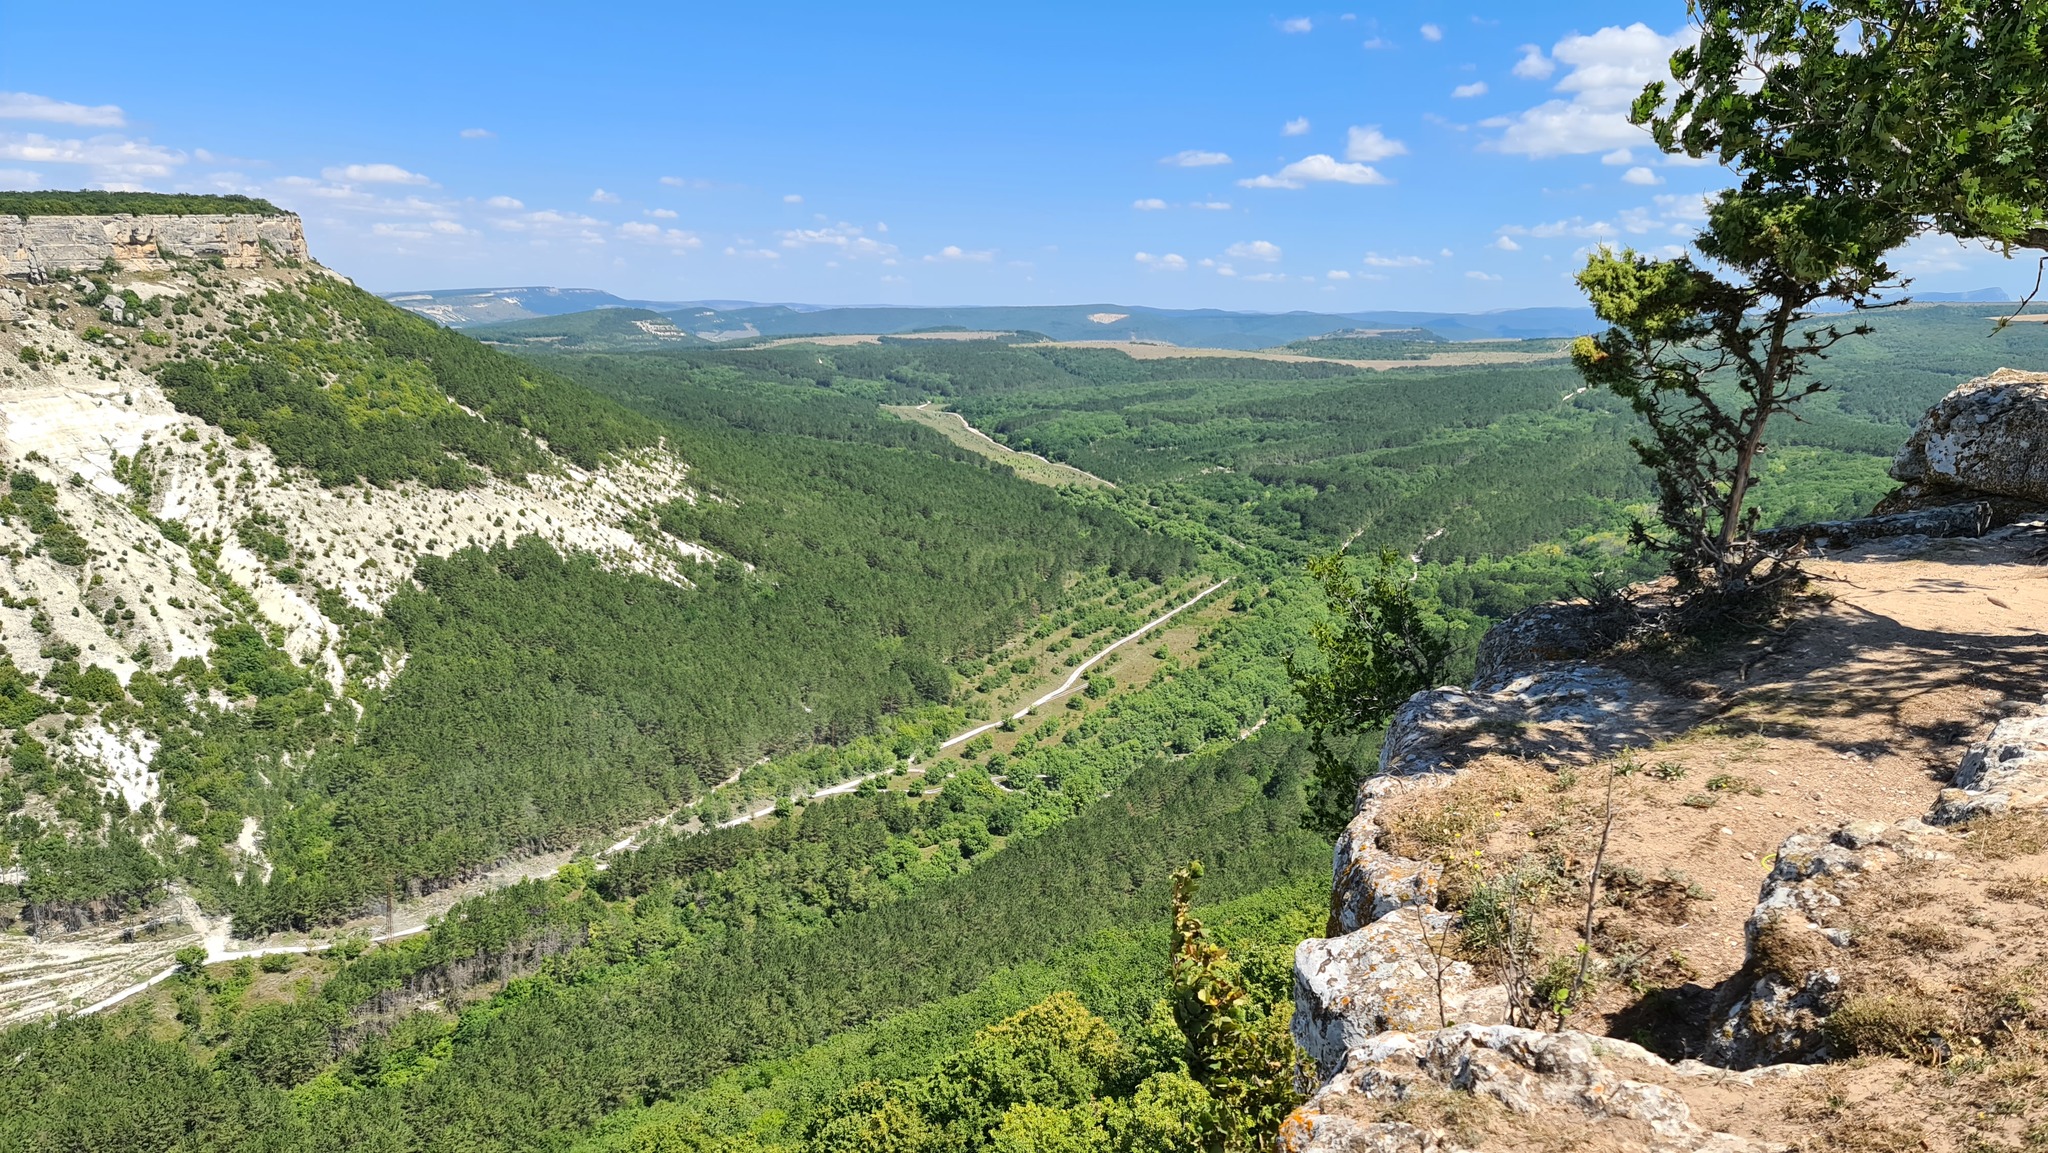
{"x": 1709, "y": 351}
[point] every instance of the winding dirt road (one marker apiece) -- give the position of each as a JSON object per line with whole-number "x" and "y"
{"x": 214, "y": 934}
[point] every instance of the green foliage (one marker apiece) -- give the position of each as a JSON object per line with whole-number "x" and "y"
{"x": 1237, "y": 1049}
{"x": 354, "y": 389}
{"x": 1707, "y": 362}
{"x": 1385, "y": 644}
{"x": 630, "y": 1018}
{"x": 1929, "y": 111}
{"x": 90, "y": 202}
{"x": 35, "y": 501}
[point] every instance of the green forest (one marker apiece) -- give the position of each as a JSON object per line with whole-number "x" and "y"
{"x": 94, "y": 202}
{"x": 890, "y": 957}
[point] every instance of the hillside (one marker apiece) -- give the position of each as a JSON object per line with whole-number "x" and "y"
{"x": 312, "y": 604}
{"x": 719, "y": 322}
{"x": 643, "y": 748}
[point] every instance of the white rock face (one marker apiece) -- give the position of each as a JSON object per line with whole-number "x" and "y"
{"x": 89, "y": 423}
{"x": 42, "y": 246}
{"x": 2009, "y": 770}
{"x": 1581, "y": 1081}
{"x": 1988, "y": 436}
{"x": 1383, "y": 978}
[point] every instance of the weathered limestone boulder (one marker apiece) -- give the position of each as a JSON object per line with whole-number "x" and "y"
{"x": 1383, "y": 977}
{"x": 1542, "y": 634}
{"x": 1780, "y": 1001}
{"x": 1567, "y": 709}
{"x": 1988, "y": 436}
{"x": 1601, "y": 1090}
{"x": 2008, "y": 771}
{"x": 44, "y": 246}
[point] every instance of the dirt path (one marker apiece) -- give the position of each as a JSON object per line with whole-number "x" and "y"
{"x": 1029, "y": 465}
{"x": 105, "y": 961}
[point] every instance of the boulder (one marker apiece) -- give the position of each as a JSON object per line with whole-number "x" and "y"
{"x": 1988, "y": 436}
{"x": 2007, "y": 771}
{"x": 1523, "y": 1080}
{"x": 1383, "y": 977}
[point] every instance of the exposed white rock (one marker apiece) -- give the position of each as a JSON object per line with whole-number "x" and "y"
{"x": 1383, "y": 977}
{"x": 43, "y": 246}
{"x": 1583, "y": 1082}
{"x": 1988, "y": 436}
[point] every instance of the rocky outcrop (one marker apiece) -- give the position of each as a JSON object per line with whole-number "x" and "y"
{"x": 2008, "y": 771}
{"x": 1604, "y": 1093}
{"x": 1777, "y": 1008}
{"x": 1384, "y": 977}
{"x": 43, "y": 246}
{"x": 1564, "y": 709}
{"x": 1989, "y": 436}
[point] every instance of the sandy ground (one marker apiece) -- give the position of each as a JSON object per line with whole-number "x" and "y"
{"x": 1857, "y": 706}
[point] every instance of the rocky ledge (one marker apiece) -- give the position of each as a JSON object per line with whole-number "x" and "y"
{"x": 43, "y": 246}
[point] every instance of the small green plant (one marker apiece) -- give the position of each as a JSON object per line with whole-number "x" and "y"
{"x": 1730, "y": 783}
{"x": 1668, "y": 771}
{"x": 1701, "y": 801}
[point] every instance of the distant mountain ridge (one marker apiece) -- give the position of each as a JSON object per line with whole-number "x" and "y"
{"x": 720, "y": 321}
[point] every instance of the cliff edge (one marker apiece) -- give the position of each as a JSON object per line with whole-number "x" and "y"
{"x": 1817, "y": 917}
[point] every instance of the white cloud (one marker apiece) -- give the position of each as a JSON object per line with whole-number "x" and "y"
{"x": 1264, "y": 250}
{"x": 1375, "y": 260}
{"x": 373, "y": 174}
{"x": 847, "y": 239}
{"x": 1212, "y": 205}
{"x": 1689, "y": 207}
{"x": 1195, "y": 158}
{"x": 1149, "y": 204}
{"x": 505, "y": 202}
{"x": 1377, "y": 43}
{"x": 1467, "y": 91}
{"x": 1337, "y": 274}
{"x": 478, "y": 134}
{"x": 662, "y": 213}
{"x": 1534, "y": 65}
{"x": 1640, "y": 175}
{"x": 755, "y": 253}
{"x": 1619, "y": 157}
{"x": 449, "y": 228}
{"x": 1266, "y": 277}
{"x": 1369, "y": 144}
{"x": 111, "y": 158}
{"x": 692, "y": 182}
{"x": 1295, "y": 127}
{"x": 793, "y": 198}
{"x": 1674, "y": 214}
{"x": 1507, "y": 244}
{"x": 1432, "y": 33}
{"x": 1477, "y": 275}
{"x": 1169, "y": 262}
{"x": 20, "y": 178}
{"x": 29, "y": 106}
{"x": 551, "y": 224}
{"x": 1297, "y": 25}
{"x": 602, "y": 197}
{"x": 953, "y": 252}
{"x": 1321, "y": 168}
{"x": 645, "y": 233}
{"x": 1608, "y": 69}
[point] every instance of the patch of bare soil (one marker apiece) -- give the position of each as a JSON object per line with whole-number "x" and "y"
{"x": 1856, "y": 705}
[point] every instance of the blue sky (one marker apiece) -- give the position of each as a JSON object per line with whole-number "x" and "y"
{"x": 1188, "y": 155}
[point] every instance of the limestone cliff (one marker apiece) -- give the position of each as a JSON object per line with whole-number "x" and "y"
{"x": 39, "y": 247}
